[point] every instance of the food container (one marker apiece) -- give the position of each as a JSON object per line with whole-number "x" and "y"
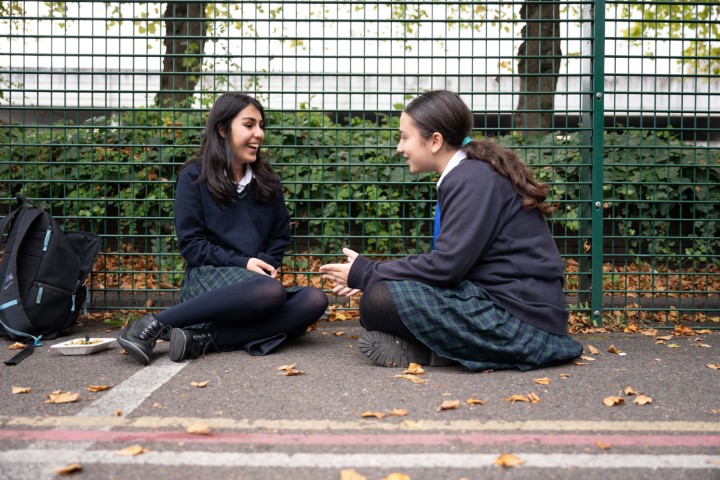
{"x": 82, "y": 346}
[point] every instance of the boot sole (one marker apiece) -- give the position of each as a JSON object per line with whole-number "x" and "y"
{"x": 132, "y": 350}
{"x": 178, "y": 349}
{"x": 389, "y": 350}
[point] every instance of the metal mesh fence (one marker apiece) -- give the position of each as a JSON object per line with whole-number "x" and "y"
{"x": 615, "y": 104}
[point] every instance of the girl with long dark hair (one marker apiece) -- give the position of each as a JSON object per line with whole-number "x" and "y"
{"x": 232, "y": 226}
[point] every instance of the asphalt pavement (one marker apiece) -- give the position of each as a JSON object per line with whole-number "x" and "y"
{"x": 234, "y": 416}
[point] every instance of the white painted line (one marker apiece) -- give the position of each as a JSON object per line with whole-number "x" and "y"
{"x": 132, "y": 392}
{"x": 360, "y": 460}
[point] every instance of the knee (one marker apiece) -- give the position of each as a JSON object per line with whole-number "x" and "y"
{"x": 316, "y": 299}
{"x": 269, "y": 291}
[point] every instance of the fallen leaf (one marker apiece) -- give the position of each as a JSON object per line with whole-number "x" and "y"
{"x": 517, "y": 398}
{"x": 399, "y": 412}
{"x": 397, "y": 476}
{"x": 67, "y": 397}
{"x": 449, "y": 405}
{"x": 660, "y": 342}
{"x": 593, "y": 350}
{"x": 200, "y": 384}
{"x": 72, "y": 468}
{"x": 642, "y": 399}
{"x": 650, "y": 332}
{"x": 508, "y": 460}
{"x": 379, "y": 415}
{"x": 351, "y": 474}
{"x": 97, "y": 388}
{"x": 542, "y": 381}
{"x": 704, "y": 332}
{"x": 412, "y": 378}
{"x": 665, "y": 337}
{"x": 714, "y": 366}
{"x": 475, "y": 401}
{"x": 613, "y": 349}
{"x": 632, "y": 328}
{"x": 602, "y": 446}
{"x": 132, "y": 450}
{"x": 118, "y": 413}
{"x": 198, "y": 429}
{"x": 17, "y": 346}
{"x": 17, "y": 390}
{"x": 533, "y": 398}
{"x": 704, "y": 345}
{"x": 684, "y": 330}
{"x": 673, "y": 345}
{"x": 612, "y": 401}
{"x": 415, "y": 369}
{"x": 339, "y": 334}
{"x": 629, "y": 391}
{"x": 581, "y": 363}
{"x": 290, "y": 371}
{"x": 565, "y": 375}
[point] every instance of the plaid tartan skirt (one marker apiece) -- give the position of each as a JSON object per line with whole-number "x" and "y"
{"x": 465, "y": 324}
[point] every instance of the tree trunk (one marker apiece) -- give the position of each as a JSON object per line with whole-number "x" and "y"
{"x": 185, "y": 37}
{"x": 539, "y": 59}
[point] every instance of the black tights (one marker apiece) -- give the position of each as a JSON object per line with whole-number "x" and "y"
{"x": 254, "y": 309}
{"x": 378, "y": 312}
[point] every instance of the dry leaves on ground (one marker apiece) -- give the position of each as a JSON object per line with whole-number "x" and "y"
{"x": 542, "y": 381}
{"x": 198, "y": 429}
{"x": 289, "y": 370}
{"x": 412, "y": 378}
{"x": 612, "y": 401}
{"x": 132, "y": 450}
{"x": 62, "y": 397}
{"x": 397, "y": 476}
{"x": 475, "y": 401}
{"x": 415, "y": 369}
{"x": 98, "y": 388}
{"x": 449, "y": 405}
{"x": 17, "y": 346}
{"x": 351, "y": 474}
{"x": 529, "y": 398}
{"x": 593, "y": 350}
{"x": 202, "y": 384}
{"x": 509, "y": 460}
{"x": 602, "y": 446}
{"x": 72, "y": 468}
{"x": 379, "y": 415}
{"x": 19, "y": 390}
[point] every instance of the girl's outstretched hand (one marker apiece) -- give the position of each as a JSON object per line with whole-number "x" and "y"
{"x": 338, "y": 274}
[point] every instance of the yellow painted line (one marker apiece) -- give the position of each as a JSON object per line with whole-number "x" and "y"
{"x": 361, "y": 425}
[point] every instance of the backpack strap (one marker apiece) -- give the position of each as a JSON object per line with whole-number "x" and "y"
{"x": 11, "y": 307}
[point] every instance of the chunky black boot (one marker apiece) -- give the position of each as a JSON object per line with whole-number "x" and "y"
{"x": 140, "y": 338}
{"x": 191, "y": 343}
{"x": 390, "y": 350}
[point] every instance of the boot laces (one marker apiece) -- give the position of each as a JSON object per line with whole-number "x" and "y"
{"x": 200, "y": 342}
{"x": 153, "y": 330}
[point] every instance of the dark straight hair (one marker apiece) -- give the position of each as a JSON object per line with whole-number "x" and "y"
{"x": 444, "y": 112}
{"x": 216, "y": 156}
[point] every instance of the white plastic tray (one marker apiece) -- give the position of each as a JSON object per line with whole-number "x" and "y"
{"x": 75, "y": 346}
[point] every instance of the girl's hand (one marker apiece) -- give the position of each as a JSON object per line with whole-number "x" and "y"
{"x": 338, "y": 274}
{"x": 263, "y": 268}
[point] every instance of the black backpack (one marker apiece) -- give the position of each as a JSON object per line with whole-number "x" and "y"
{"x": 43, "y": 271}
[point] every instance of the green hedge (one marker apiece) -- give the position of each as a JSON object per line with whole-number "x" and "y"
{"x": 344, "y": 182}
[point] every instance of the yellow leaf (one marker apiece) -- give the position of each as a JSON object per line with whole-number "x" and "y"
{"x": 412, "y": 378}
{"x": 629, "y": 391}
{"x": 67, "y": 397}
{"x": 632, "y": 328}
{"x": 379, "y": 415}
{"x": 714, "y": 366}
{"x": 542, "y": 381}
{"x": 397, "y": 476}
{"x": 642, "y": 400}
{"x": 17, "y": 346}
{"x": 612, "y": 401}
{"x": 565, "y": 375}
{"x": 593, "y": 350}
{"x": 449, "y": 405}
{"x": 673, "y": 345}
{"x": 517, "y": 398}
{"x": 415, "y": 369}
{"x": 351, "y": 474}
{"x": 339, "y": 333}
{"x": 286, "y": 367}
{"x": 17, "y": 390}
{"x": 475, "y": 401}
{"x": 132, "y": 450}
{"x": 533, "y": 398}
{"x": 589, "y": 359}
{"x": 72, "y": 468}
{"x": 198, "y": 429}
{"x": 200, "y": 384}
{"x": 613, "y": 349}
{"x": 508, "y": 460}
{"x": 602, "y": 446}
{"x": 97, "y": 388}
{"x": 681, "y": 330}
{"x": 399, "y": 412}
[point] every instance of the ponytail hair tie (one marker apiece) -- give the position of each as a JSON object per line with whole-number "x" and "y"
{"x": 466, "y": 141}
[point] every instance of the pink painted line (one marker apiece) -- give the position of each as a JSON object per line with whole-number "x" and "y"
{"x": 363, "y": 439}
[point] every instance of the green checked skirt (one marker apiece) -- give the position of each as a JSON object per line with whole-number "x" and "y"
{"x": 465, "y": 324}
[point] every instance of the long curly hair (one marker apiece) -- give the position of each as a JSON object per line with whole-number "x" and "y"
{"x": 444, "y": 112}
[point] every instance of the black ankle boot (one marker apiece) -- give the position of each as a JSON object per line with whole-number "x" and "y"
{"x": 140, "y": 338}
{"x": 190, "y": 343}
{"x": 390, "y": 350}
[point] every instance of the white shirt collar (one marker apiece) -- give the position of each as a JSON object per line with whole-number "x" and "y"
{"x": 454, "y": 161}
{"x": 245, "y": 181}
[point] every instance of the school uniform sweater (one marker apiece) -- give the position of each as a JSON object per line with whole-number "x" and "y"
{"x": 488, "y": 238}
{"x": 211, "y": 235}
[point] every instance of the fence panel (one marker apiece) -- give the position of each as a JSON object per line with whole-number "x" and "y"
{"x": 102, "y": 102}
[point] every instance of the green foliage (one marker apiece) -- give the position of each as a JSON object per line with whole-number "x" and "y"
{"x": 345, "y": 184}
